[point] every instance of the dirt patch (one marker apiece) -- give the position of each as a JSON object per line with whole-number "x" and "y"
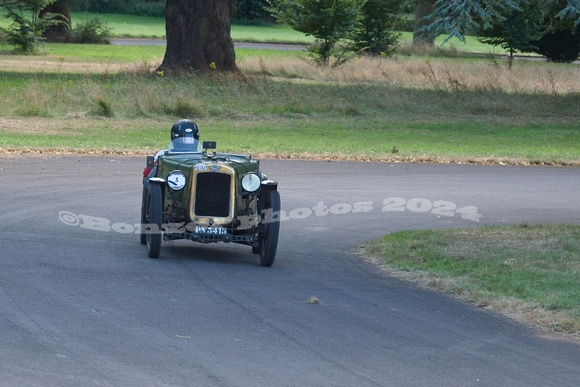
{"x": 54, "y": 65}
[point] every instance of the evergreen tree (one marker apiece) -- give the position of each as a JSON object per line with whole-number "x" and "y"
{"x": 571, "y": 10}
{"x": 518, "y": 29}
{"x": 329, "y": 21}
{"x": 377, "y": 35}
{"x": 561, "y": 42}
{"x": 461, "y": 17}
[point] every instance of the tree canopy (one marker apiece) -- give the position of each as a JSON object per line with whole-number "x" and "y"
{"x": 328, "y": 21}
{"x": 460, "y": 17}
{"x": 571, "y": 10}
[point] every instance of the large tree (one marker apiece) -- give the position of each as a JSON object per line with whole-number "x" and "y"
{"x": 422, "y": 19}
{"x": 58, "y": 31}
{"x": 198, "y": 37}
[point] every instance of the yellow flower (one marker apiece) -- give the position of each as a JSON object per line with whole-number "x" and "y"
{"x": 356, "y": 58}
{"x": 69, "y": 83}
{"x": 383, "y": 53}
{"x": 160, "y": 73}
{"x": 212, "y": 65}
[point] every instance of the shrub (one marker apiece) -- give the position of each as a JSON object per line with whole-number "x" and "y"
{"x": 252, "y": 12}
{"x": 90, "y": 31}
{"x": 155, "y": 8}
{"x": 25, "y": 33}
{"x": 560, "y": 45}
{"x": 20, "y": 33}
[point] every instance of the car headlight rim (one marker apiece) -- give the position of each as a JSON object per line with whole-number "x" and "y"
{"x": 251, "y": 182}
{"x": 176, "y": 180}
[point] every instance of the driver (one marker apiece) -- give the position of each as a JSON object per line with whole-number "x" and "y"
{"x": 184, "y": 138}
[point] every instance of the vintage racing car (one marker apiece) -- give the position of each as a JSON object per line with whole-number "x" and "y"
{"x": 191, "y": 193}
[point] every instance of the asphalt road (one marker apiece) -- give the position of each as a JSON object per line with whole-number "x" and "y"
{"x": 82, "y": 305}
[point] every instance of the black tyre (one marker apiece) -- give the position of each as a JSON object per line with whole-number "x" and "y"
{"x": 142, "y": 235}
{"x": 153, "y": 215}
{"x": 271, "y": 229}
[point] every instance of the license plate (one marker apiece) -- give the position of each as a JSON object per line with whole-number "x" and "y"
{"x": 211, "y": 230}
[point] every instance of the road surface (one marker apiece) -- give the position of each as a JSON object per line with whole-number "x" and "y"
{"x": 82, "y": 305}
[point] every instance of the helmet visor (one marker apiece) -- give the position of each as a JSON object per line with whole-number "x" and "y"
{"x": 188, "y": 139}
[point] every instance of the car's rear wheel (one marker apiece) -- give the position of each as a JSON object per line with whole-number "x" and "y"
{"x": 271, "y": 229}
{"x": 153, "y": 220}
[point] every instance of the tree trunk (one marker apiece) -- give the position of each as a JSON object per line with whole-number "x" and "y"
{"x": 424, "y": 8}
{"x": 198, "y": 36}
{"x": 57, "y": 32}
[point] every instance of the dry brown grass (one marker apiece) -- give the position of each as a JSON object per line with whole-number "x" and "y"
{"x": 54, "y": 64}
{"x": 431, "y": 73}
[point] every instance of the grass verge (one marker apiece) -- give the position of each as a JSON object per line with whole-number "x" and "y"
{"x": 327, "y": 138}
{"x": 529, "y": 273}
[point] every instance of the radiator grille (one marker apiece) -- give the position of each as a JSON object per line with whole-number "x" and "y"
{"x": 212, "y": 194}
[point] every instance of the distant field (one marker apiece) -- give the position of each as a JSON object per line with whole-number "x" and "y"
{"x": 139, "y": 26}
{"x": 149, "y": 27}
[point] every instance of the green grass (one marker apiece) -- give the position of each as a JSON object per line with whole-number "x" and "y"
{"x": 274, "y": 33}
{"x": 126, "y": 25}
{"x": 263, "y": 115}
{"x": 527, "y": 272}
{"x": 130, "y": 54}
{"x": 151, "y": 27}
{"x": 108, "y": 53}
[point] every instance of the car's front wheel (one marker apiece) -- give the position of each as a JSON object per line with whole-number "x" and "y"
{"x": 142, "y": 234}
{"x": 271, "y": 229}
{"x": 153, "y": 208}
